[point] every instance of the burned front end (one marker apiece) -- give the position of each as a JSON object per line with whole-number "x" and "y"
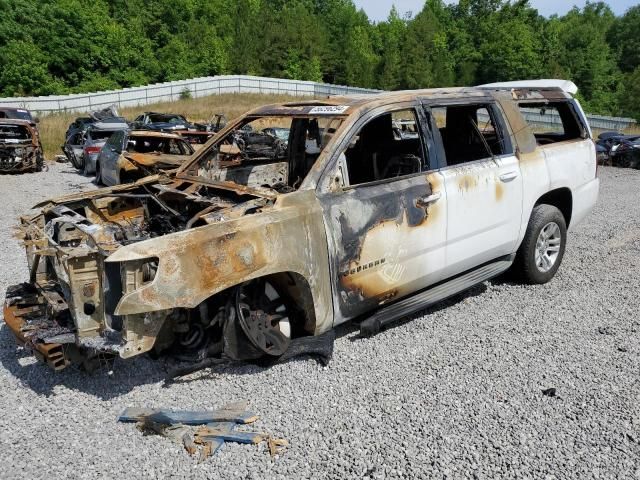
{"x": 222, "y": 258}
{"x": 20, "y": 149}
{"x": 70, "y": 312}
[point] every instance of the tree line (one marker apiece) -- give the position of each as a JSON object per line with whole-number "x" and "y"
{"x": 67, "y": 46}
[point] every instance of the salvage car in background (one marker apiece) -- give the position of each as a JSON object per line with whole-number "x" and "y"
{"x": 18, "y": 114}
{"x": 619, "y": 150}
{"x": 130, "y": 155}
{"x": 162, "y": 121}
{"x": 277, "y": 132}
{"x": 252, "y": 243}
{"x": 20, "y": 147}
{"x": 86, "y": 136}
{"x": 195, "y": 133}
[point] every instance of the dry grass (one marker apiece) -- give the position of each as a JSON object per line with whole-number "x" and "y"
{"x": 53, "y": 127}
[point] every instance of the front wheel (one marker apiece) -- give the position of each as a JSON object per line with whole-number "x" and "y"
{"x": 542, "y": 248}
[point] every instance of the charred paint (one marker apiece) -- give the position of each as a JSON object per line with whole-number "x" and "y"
{"x": 366, "y": 223}
{"x": 499, "y": 190}
{"x": 467, "y": 182}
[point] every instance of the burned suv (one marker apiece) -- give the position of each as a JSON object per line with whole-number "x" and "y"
{"x": 255, "y": 242}
{"x": 20, "y": 147}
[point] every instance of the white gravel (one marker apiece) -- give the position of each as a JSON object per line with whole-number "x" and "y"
{"x": 457, "y": 392}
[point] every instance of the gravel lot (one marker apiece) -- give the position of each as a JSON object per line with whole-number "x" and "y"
{"x": 457, "y": 392}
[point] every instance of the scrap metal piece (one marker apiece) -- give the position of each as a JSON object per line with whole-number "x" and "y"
{"x": 276, "y": 445}
{"x": 207, "y": 439}
{"x": 209, "y": 447}
{"x": 53, "y": 354}
{"x": 180, "y": 434}
{"x": 208, "y": 433}
{"x": 229, "y": 413}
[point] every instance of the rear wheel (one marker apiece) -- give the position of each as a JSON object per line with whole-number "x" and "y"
{"x": 85, "y": 168}
{"x": 98, "y": 173}
{"x": 542, "y": 248}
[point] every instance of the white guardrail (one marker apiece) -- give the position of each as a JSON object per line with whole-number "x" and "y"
{"x": 171, "y": 91}
{"x": 204, "y": 86}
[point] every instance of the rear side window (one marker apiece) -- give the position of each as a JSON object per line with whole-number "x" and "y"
{"x": 471, "y": 132}
{"x": 552, "y": 122}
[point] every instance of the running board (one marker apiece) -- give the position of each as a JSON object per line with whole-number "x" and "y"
{"x": 426, "y": 298}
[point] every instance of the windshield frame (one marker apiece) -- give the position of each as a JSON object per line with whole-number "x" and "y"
{"x": 245, "y": 119}
{"x": 18, "y": 127}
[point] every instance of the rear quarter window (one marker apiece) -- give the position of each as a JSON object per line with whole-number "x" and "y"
{"x": 553, "y": 122}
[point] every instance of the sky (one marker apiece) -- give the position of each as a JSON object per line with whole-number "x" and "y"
{"x": 379, "y": 9}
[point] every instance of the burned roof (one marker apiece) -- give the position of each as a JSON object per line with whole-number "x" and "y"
{"x": 345, "y": 105}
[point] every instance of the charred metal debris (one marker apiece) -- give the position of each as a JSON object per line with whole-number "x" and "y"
{"x": 20, "y": 147}
{"x": 67, "y": 245}
{"x": 214, "y": 428}
{"x": 618, "y": 150}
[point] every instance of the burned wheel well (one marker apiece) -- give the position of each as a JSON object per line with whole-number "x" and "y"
{"x": 297, "y": 289}
{"x": 560, "y": 198}
{"x": 293, "y": 286}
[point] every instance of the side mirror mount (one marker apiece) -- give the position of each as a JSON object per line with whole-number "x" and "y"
{"x": 36, "y": 120}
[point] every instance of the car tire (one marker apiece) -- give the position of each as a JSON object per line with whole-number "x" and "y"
{"x": 85, "y": 168}
{"x": 74, "y": 161}
{"x": 39, "y": 166}
{"x": 542, "y": 248}
{"x": 98, "y": 179}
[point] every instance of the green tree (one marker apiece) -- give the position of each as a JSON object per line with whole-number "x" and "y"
{"x": 629, "y": 95}
{"x": 624, "y": 38}
{"x": 426, "y": 58}
{"x": 587, "y": 57}
{"x": 392, "y": 34}
{"x": 23, "y": 70}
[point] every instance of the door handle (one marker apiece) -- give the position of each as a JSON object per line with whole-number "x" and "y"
{"x": 507, "y": 177}
{"x": 423, "y": 202}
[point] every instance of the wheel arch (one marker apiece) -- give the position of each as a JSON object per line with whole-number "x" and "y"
{"x": 562, "y": 199}
{"x": 297, "y": 290}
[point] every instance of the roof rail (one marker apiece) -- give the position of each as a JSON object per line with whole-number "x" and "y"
{"x": 565, "y": 85}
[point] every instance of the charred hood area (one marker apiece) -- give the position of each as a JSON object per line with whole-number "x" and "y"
{"x": 108, "y": 219}
{"x": 66, "y": 311}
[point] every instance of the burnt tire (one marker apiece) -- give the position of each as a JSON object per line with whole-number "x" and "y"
{"x": 39, "y": 166}
{"x": 542, "y": 248}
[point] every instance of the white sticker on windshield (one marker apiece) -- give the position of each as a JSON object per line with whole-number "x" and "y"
{"x": 328, "y": 110}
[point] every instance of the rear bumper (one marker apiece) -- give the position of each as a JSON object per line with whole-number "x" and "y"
{"x": 584, "y": 199}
